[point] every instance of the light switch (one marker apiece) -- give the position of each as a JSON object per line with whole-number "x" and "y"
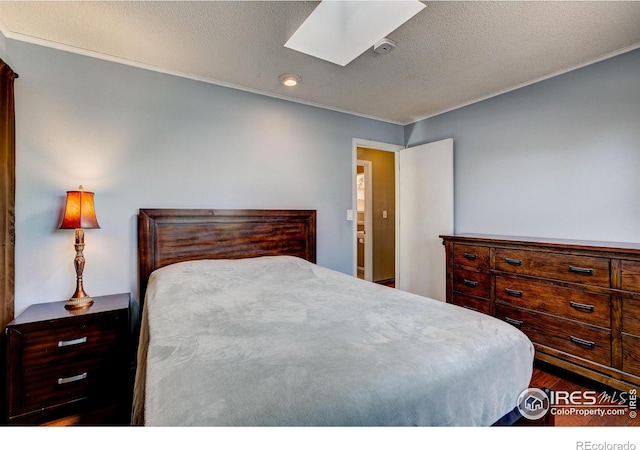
{"x": 350, "y": 214}
{"x": 384, "y": 214}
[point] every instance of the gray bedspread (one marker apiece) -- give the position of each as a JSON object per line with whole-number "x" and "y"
{"x": 278, "y": 341}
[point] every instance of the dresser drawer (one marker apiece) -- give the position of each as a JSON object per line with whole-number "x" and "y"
{"x": 631, "y": 276}
{"x": 585, "y": 341}
{"x": 57, "y": 344}
{"x": 575, "y": 269}
{"x": 471, "y": 282}
{"x": 631, "y": 316}
{"x": 476, "y": 304}
{"x": 471, "y": 256}
{"x": 568, "y": 303}
{"x": 631, "y": 354}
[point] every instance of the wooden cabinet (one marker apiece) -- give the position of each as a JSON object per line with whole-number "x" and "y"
{"x": 578, "y": 301}
{"x": 70, "y": 366}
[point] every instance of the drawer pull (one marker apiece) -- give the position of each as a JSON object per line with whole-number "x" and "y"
{"x": 470, "y": 282}
{"x": 513, "y": 292}
{"x": 66, "y": 380}
{"x": 514, "y": 322}
{"x": 470, "y": 255}
{"x": 581, "y": 270}
{"x": 583, "y": 342}
{"x": 81, "y": 340}
{"x": 513, "y": 262}
{"x": 470, "y": 308}
{"x": 582, "y": 306}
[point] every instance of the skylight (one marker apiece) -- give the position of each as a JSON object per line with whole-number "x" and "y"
{"x": 340, "y": 31}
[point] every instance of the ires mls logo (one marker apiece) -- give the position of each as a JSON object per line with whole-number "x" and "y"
{"x": 533, "y": 403}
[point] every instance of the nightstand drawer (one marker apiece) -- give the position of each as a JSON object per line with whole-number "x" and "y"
{"x": 50, "y": 386}
{"x": 55, "y": 345}
{"x": 575, "y": 269}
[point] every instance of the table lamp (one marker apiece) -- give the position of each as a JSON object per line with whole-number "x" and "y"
{"x": 79, "y": 213}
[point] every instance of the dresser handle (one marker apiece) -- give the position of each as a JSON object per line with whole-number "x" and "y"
{"x": 81, "y": 340}
{"x": 582, "y": 342}
{"x": 581, "y": 270}
{"x": 470, "y": 256}
{"x": 82, "y": 376}
{"x": 582, "y": 306}
{"x": 513, "y": 292}
{"x": 470, "y": 282}
{"x": 513, "y": 262}
{"x": 514, "y": 322}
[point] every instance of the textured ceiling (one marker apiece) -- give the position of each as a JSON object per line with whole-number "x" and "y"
{"x": 448, "y": 55}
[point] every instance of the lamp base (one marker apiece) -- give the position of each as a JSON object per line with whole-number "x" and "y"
{"x": 79, "y": 300}
{"x": 78, "y": 303}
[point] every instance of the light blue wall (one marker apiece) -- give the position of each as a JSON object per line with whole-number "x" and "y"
{"x": 141, "y": 139}
{"x": 3, "y": 47}
{"x": 560, "y": 158}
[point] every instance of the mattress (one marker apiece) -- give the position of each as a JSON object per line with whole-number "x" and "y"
{"x": 279, "y": 341}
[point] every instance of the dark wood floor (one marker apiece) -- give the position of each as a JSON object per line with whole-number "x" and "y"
{"x": 545, "y": 375}
{"x": 390, "y": 282}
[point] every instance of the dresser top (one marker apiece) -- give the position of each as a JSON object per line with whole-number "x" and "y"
{"x": 627, "y": 247}
{"x": 41, "y": 312}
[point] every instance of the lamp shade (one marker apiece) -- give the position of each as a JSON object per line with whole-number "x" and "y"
{"x": 79, "y": 211}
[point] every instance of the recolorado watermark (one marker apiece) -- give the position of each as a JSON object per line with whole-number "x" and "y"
{"x": 588, "y": 445}
{"x": 535, "y": 403}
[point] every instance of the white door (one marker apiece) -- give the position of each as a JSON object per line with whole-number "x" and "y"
{"x": 425, "y": 211}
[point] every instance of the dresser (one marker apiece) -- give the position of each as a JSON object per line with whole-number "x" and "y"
{"x": 68, "y": 367}
{"x": 578, "y": 301}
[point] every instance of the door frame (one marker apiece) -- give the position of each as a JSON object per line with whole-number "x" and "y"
{"x": 368, "y": 220}
{"x": 374, "y": 145}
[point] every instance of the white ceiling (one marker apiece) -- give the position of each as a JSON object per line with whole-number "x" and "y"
{"x": 450, "y": 54}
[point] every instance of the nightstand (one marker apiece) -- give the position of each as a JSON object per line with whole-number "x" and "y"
{"x": 68, "y": 367}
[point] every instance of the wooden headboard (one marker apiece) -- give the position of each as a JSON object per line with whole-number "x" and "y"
{"x": 167, "y": 236}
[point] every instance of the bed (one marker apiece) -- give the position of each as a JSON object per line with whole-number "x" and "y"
{"x": 240, "y": 327}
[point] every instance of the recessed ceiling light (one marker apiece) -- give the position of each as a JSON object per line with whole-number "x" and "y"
{"x": 289, "y": 80}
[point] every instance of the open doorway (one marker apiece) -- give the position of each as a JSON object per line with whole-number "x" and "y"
{"x": 376, "y": 212}
{"x": 423, "y": 211}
